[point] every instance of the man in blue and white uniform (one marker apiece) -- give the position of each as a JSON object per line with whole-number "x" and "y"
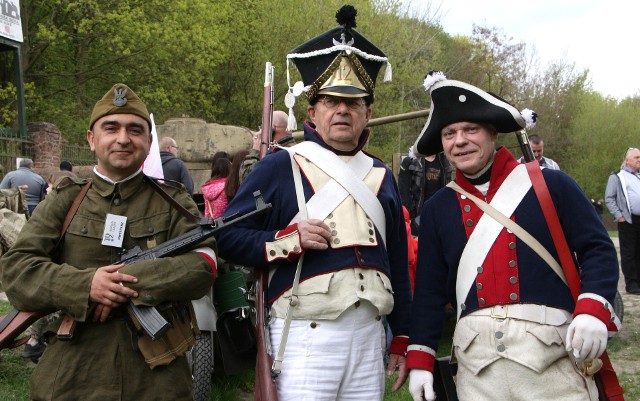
{"x": 345, "y": 222}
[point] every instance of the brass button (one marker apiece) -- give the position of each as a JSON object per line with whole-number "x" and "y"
{"x": 150, "y": 229}
{"x": 336, "y": 240}
{"x": 501, "y": 347}
{"x": 480, "y": 269}
{"x": 467, "y": 208}
{"x": 499, "y": 334}
{"x": 334, "y": 233}
{"x": 513, "y": 279}
{"x": 285, "y": 252}
{"x": 469, "y": 222}
{"x": 84, "y": 230}
{"x": 479, "y": 286}
{"x": 357, "y": 304}
{"x": 482, "y": 301}
{"x": 117, "y": 201}
{"x": 370, "y": 232}
{"x": 313, "y": 325}
{"x": 272, "y": 252}
{"x": 332, "y": 224}
{"x": 512, "y": 245}
{"x": 513, "y": 296}
{"x": 512, "y": 263}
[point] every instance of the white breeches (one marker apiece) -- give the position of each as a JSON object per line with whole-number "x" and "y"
{"x": 339, "y": 359}
{"x": 515, "y": 360}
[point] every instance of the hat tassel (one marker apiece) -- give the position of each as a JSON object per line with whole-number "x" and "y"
{"x": 292, "y": 125}
{"x": 388, "y": 73}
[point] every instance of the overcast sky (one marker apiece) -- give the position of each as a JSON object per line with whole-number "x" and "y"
{"x": 595, "y": 34}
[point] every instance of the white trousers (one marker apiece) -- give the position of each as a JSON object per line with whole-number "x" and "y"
{"x": 339, "y": 359}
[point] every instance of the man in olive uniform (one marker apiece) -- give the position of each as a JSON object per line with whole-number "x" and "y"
{"x": 79, "y": 275}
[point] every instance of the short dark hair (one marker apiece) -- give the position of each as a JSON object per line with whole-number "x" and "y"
{"x": 535, "y": 138}
{"x": 65, "y": 165}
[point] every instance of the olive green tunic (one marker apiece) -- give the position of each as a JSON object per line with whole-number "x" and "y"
{"x": 41, "y": 272}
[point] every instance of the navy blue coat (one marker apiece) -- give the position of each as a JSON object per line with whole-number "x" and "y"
{"x": 244, "y": 243}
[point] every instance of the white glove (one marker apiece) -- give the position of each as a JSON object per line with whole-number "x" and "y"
{"x": 421, "y": 385}
{"x": 587, "y": 337}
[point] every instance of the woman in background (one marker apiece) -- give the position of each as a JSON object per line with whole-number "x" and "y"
{"x": 215, "y": 200}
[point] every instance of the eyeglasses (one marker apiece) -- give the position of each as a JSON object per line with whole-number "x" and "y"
{"x": 331, "y": 102}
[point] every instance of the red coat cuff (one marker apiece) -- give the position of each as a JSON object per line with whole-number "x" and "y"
{"x": 399, "y": 345}
{"x": 597, "y": 309}
{"x": 420, "y": 360}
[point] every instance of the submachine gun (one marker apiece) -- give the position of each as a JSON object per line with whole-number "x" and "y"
{"x": 152, "y": 322}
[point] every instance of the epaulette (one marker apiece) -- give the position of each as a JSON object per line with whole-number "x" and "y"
{"x": 64, "y": 182}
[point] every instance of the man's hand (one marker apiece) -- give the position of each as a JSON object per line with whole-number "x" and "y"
{"x": 107, "y": 290}
{"x": 421, "y": 385}
{"x": 586, "y": 337}
{"x": 314, "y": 234}
{"x": 399, "y": 362}
{"x": 256, "y": 141}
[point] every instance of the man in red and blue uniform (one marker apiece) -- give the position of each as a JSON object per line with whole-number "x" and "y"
{"x": 520, "y": 335}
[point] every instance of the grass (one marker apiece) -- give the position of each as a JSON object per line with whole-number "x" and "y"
{"x": 15, "y": 372}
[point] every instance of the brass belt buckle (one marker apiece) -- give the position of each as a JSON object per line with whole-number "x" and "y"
{"x": 503, "y": 315}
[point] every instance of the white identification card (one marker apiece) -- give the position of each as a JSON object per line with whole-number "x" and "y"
{"x": 114, "y": 230}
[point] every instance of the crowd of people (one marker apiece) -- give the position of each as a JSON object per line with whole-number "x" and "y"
{"x": 362, "y": 267}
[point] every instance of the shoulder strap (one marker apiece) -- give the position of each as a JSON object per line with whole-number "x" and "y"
{"x": 74, "y": 208}
{"x": 551, "y": 217}
{"x": 187, "y": 214}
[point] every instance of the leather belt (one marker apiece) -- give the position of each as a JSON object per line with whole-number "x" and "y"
{"x": 532, "y": 313}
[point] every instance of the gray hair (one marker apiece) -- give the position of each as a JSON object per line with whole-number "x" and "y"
{"x": 26, "y": 163}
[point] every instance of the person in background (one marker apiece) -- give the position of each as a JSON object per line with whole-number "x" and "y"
{"x": 281, "y": 137}
{"x": 78, "y": 273}
{"x": 520, "y": 332}
{"x": 233, "y": 180}
{"x": 66, "y": 166}
{"x": 537, "y": 146}
{"x": 215, "y": 199}
{"x": 173, "y": 168}
{"x": 24, "y": 176}
{"x": 622, "y": 197}
{"x": 352, "y": 244}
{"x": 419, "y": 178}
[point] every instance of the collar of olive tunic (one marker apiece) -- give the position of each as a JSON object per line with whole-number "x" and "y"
{"x": 126, "y": 188}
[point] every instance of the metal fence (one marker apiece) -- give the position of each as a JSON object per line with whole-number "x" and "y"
{"x": 78, "y": 155}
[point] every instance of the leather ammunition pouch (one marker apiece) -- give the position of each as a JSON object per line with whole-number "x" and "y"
{"x": 178, "y": 339}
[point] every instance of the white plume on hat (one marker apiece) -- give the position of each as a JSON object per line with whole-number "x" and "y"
{"x": 530, "y": 118}
{"x": 431, "y": 78}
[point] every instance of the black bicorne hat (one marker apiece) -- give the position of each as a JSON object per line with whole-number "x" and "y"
{"x": 455, "y": 101}
{"x": 339, "y": 62}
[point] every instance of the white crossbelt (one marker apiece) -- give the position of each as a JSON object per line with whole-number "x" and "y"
{"x": 346, "y": 180}
{"x": 506, "y": 200}
{"x": 532, "y": 313}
